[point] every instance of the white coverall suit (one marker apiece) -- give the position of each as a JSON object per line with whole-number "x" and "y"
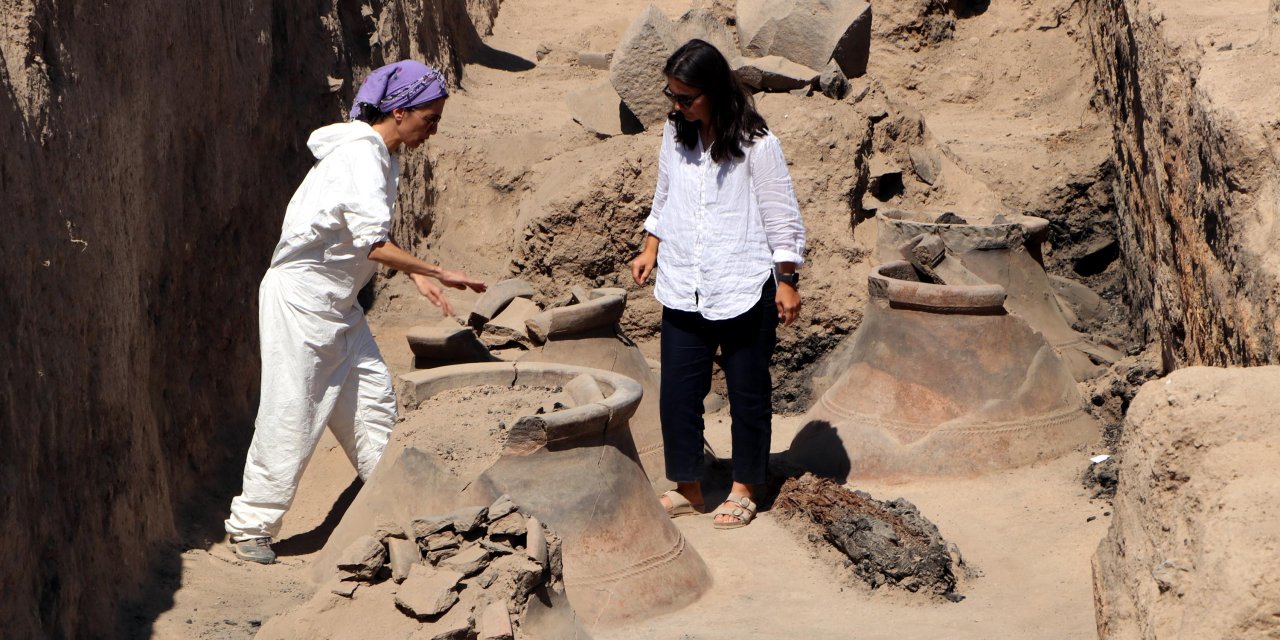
{"x": 320, "y": 364}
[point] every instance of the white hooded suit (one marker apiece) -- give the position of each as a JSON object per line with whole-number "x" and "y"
{"x": 320, "y": 364}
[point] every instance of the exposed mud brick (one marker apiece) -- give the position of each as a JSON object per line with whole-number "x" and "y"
{"x": 809, "y": 32}
{"x": 773, "y": 73}
{"x": 636, "y": 72}
{"x": 362, "y": 558}
{"x": 402, "y": 556}
{"x": 888, "y": 542}
{"x": 495, "y": 623}
{"x": 428, "y": 592}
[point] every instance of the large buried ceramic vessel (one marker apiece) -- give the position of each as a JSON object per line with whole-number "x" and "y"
{"x": 1005, "y": 253}
{"x": 941, "y": 380}
{"x": 576, "y": 470}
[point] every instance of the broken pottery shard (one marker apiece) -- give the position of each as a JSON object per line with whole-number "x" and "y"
{"x": 427, "y": 525}
{"x": 927, "y": 164}
{"x": 584, "y": 390}
{"x": 577, "y": 318}
{"x": 496, "y": 298}
{"x": 389, "y": 529}
{"x": 469, "y": 561}
{"x": 606, "y": 291}
{"x": 344, "y": 588}
{"x": 595, "y": 60}
{"x": 516, "y": 574}
{"x": 773, "y": 73}
{"x": 402, "y": 556}
{"x": 512, "y": 524}
{"x": 495, "y": 547}
{"x": 467, "y": 518}
{"x": 441, "y": 540}
{"x": 428, "y": 592}
{"x": 362, "y": 558}
{"x": 514, "y": 316}
{"x": 500, "y": 507}
{"x": 495, "y": 622}
{"x": 636, "y": 72}
{"x": 454, "y": 625}
{"x": 486, "y": 579}
{"x": 536, "y": 543}
{"x": 600, "y": 110}
{"x": 808, "y": 32}
{"x": 448, "y": 344}
{"x": 555, "y": 556}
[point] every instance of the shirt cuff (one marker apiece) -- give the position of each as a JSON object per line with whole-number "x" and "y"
{"x": 651, "y": 226}
{"x": 370, "y": 238}
{"x": 782, "y": 255}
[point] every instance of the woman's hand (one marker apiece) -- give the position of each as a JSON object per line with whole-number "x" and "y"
{"x": 433, "y": 293}
{"x": 460, "y": 280}
{"x": 644, "y": 263}
{"x": 788, "y": 301}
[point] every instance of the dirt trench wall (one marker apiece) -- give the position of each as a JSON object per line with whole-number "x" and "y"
{"x": 1191, "y": 93}
{"x": 147, "y": 151}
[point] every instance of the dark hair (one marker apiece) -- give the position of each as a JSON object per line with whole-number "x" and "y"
{"x": 733, "y": 112}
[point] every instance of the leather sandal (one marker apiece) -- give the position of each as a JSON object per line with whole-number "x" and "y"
{"x": 743, "y": 509}
{"x": 680, "y": 505}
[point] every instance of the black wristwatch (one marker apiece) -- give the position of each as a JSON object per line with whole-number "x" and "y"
{"x": 792, "y": 279}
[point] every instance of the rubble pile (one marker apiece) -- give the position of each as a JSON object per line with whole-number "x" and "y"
{"x": 803, "y": 46}
{"x": 886, "y": 543}
{"x": 468, "y": 573}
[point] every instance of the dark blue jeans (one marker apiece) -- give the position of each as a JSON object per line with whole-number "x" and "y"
{"x": 746, "y": 342}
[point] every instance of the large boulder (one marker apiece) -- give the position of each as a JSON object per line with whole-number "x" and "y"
{"x": 600, "y": 110}
{"x": 808, "y": 32}
{"x": 1192, "y": 549}
{"x": 636, "y": 73}
{"x": 772, "y": 73}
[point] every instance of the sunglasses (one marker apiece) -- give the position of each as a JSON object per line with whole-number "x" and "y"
{"x": 680, "y": 99}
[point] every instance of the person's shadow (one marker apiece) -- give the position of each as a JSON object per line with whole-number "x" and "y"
{"x": 315, "y": 539}
{"x": 820, "y": 452}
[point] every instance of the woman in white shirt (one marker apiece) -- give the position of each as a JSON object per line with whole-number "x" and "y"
{"x": 726, "y": 232}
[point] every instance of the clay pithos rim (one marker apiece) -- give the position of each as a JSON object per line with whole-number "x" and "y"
{"x": 1033, "y": 227}
{"x": 886, "y": 283}
{"x": 622, "y": 396}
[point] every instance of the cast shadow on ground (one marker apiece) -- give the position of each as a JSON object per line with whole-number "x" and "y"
{"x": 487, "y": 56}
{"x": 315, "y": 539}
{"x": 817, "y": 435}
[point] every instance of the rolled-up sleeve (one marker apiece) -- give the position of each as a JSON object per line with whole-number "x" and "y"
{"x": 779, "y": 210}
{"x": 367, "y": 195}
{"x": 664, "y": 180}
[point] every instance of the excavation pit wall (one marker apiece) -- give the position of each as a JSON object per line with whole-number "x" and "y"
{"x": 1191, "y": 93}
{"x": 148, "y": 149}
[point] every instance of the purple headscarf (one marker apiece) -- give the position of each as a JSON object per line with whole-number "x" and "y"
{"x": 399, "y": 85}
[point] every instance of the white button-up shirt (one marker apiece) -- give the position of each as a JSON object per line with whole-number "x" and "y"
{"x": 722, "y": 226}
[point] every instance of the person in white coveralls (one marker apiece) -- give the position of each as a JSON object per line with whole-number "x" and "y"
{"x": 320, "y": 365}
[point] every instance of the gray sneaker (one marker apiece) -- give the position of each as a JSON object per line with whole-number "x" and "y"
{"x": 254, "y": 550}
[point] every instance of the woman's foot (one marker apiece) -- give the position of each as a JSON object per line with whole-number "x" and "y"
{"x": 738, "y": 510}
{"x": 685, "y": 500}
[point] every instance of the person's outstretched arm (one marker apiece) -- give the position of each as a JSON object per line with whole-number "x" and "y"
{"x": 386, "y": 253}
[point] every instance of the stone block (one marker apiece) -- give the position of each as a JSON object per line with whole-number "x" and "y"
{"x": 595, "y": 59}
{"x": 600, "y": 110}
{"x": 808, "y": 32}
{"x": 636, "y": 72}
{"x": 702, "y": 24}
{"x": 773, "y": 73}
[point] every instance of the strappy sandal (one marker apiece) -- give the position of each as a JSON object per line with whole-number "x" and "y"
{"x": 743, "y": 509}
{"x": 680, "y": 505}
